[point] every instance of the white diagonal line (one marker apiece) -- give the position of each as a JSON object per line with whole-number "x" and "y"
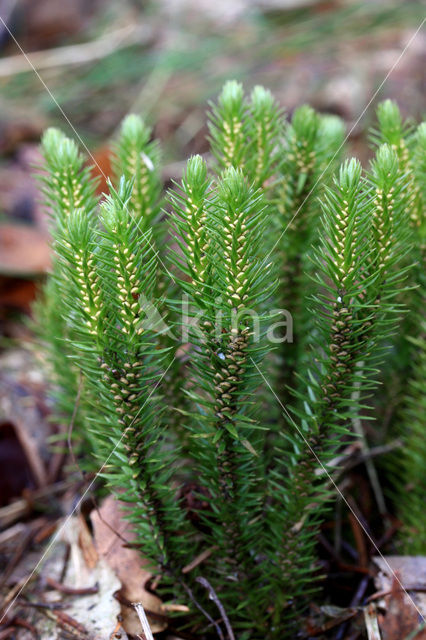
{"x": 69, "y": 516}
{"x": 299, "y": 431}
{"x": 393, "y": 67}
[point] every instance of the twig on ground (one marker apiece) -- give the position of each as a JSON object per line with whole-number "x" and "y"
{"x": 143, "y": 620}
{"x": 19, "y": 552}
{"x": 63, "y": 588}
{"x": 20, "y": 622}
{"x": 355, "y": 602}
{"x": 371, "y": 623}
{"x": 43, "y": 605}
{"x": 24, "y": 506}
{"x": 133, "y": 34}
{"x": 199, "y": 559}
{"x": 203, "y": 611}
{"x": 213, "y": 596}
{"x": 152, "y": 614}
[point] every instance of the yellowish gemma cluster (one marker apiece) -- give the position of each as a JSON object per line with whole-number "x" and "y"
{"x": 197, "y": 239}
{"x": 69, "y": 189}
{"x": 304, "y": 159}
{"x": 414, "y": 205}
{"x": 342, "y": 238}
{"x": 232, "y": 141}
{"x": 236, "y": 273}
{"x": 88, "y": 282}
{"x": 124, "y": 385}
{"x": 139, "y": 169}
{"x": 128, "y": 289}
{"x": 383, "y": 213}
{"x": 288, "y": 198}
{"x": 263, "y": 132}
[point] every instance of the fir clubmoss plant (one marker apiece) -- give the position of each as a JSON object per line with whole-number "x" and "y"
{"x": 412, "y": 476}
{"x": 310, "y": 151}
{"x": 220, "y": 228}
{"x": 137, "y": 159}
{"x": 406, "y": 381}
{"x": 409, "y": 420}
{"x": 66, "y": 186}
{"x": 226, "y": 494}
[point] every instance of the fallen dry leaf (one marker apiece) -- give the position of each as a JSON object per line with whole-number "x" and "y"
{"x": 97, "y": 612}
{"x": 15, "y": 475}
{"x": 401, "y": 618}
{"x": 401, "y": 578}
{"x": 24, "y": 250}
{"x": 18, "y": 127}
{"x": 101, "y": 162}
{"x": 23, "y": 407}
{"x": 89, "y": 602}
{"x": 127, "y": 564}
{"x": 47, "y": 23}
{"x": 87, "y": 546}
{"x": 17, "y": 293}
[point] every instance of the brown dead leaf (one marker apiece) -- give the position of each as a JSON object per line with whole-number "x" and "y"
{"x": 17, "y": 127}
{"x": 401, "y": 618}
{"x": 24, "y": 250}
{"x": 85, "y": 595}
{"x": 85, "y": 541}
{"x": 101, "y": 159}
{"x": 46, "y": 23}
{"x": 402, "y": 579}
{"x": 127, "y": 564}
{"x": 15, "y": 475}
{"x": 22, "y": 406}
{"x": 29, "y": 437}
{"x": 97, "y": 609}
{"x": 16, "y": 293}
{"x": 411, "y": 570}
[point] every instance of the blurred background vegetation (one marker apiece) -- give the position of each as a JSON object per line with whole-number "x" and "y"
{"x": 96, "y": 60}
{"x": 164, "y": 59}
